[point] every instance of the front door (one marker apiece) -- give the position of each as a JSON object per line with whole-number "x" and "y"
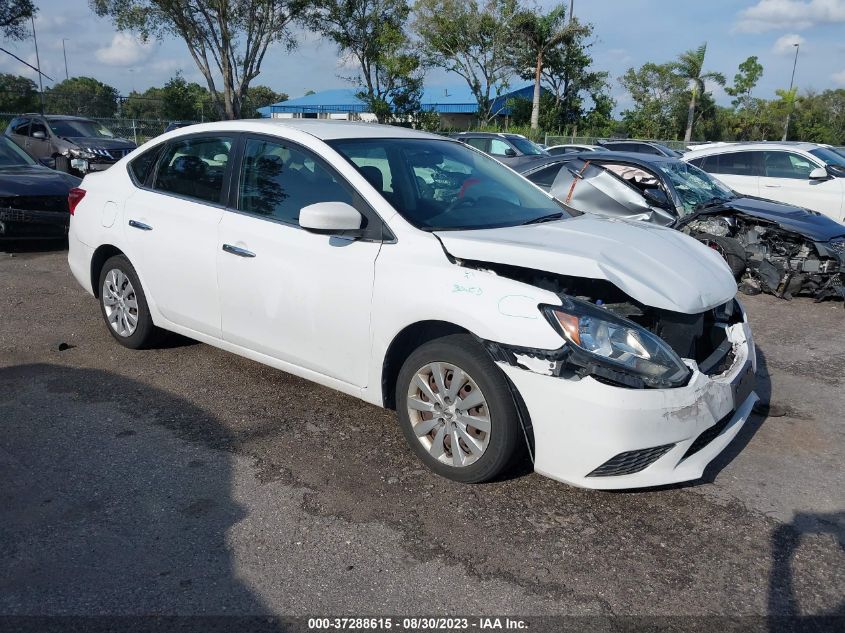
{"x": 786, "y": 178}
{"x": 297, "y": 296}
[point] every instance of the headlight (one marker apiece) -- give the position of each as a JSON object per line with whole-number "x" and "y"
{"x": 80, "y": 152}
{"x": 600, "y": 338}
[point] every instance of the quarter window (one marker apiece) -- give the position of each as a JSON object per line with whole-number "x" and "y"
{"x": 141, "y": 167}
{"x": 277, "y": 180}
{"x": 194, "y": 167}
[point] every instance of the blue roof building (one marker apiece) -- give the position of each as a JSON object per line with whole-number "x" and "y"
{"x": 456, "y": 105}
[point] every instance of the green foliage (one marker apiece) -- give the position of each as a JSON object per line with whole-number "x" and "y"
{"x": 82, "y": 96}
{"x": 259, "y": 97}
{"x": 656, "y": 91}
{"x": 820, "y": 117}
{"x": 14, "y": 18}
{"x": 690, "y": 67}
{"x": 471, "y": 38}
{"x": 228, "y": 39}
{"x": 750, "y": 72}
{"x": 18, "y": 94}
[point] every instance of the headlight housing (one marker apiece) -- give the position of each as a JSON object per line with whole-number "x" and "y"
{"x": 80, "y": 152}
{"x": 615, "y": 348}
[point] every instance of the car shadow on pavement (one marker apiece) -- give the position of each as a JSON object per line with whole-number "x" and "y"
{"x": 784, "y": 592}
{"x": 106, "y": 511}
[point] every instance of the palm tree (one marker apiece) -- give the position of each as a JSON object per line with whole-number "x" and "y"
{"x": 536, "y": 35}
{"x": 690, "y": 66}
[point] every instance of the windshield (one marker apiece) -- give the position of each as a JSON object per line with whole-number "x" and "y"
{"x": 13, "y": 156}
{"x": 71, "y": 128}
{"x": 694, "y": 186}
{"x": 831, "y": 158}
{"x": 526, "y": 147}
{"x": 444, "y": 185}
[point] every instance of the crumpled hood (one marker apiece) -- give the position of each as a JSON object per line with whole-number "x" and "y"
{"x": 658, "y": 267}
{"x": 811, "y": 224}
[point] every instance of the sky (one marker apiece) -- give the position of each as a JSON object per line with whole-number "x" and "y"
{"x": 628, "y": 33}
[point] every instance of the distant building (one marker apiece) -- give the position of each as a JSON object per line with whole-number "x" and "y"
{"x": 456, "y": 106}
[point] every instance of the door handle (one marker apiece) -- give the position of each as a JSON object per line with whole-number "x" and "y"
{"x": 140, "y": 225}
{"x": 240, "y": 252}
{"x": 772, "y": 186}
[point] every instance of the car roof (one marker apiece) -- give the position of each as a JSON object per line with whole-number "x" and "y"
{"x": 723, "y": 148}
{"x": 319, "y": 128}
{"x": 54, "y": 117}
{"x": 628, "y": 157}
{"x": 489, "y": 134}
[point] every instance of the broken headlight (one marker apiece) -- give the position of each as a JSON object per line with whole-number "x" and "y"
{"x": 604, "y": 341}
{"x": 81, "y": 152}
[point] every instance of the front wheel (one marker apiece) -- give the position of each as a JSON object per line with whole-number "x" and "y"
{"x": 457, "y": 411}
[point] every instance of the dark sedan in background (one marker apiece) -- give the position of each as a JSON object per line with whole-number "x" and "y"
{"x": 771, "y": 247}
{"x": 33, "y": 198}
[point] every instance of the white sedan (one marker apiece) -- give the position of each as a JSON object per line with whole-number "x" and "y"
{"x": 416, "y": 273}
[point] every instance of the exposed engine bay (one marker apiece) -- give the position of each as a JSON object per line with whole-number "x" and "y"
{"x": 698, "y": 337}
{"x": 766, "y": 258}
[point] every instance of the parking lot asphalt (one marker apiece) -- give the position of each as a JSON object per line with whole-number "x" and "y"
{"x": 185, "y": 480}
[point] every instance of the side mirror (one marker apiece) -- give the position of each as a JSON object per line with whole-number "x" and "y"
{"x": 819, "y": 173}
{"x": 510, "y": 153}
{"x": 39, "y": 134}
{"x": 330, "y": 217}
{"x": 657, "y": 197}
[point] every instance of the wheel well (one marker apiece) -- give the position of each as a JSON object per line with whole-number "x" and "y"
{"x": 97, "y": 261}
{"x": 401, "y": 347}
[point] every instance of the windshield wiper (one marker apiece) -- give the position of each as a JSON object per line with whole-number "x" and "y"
{"x": 551, "y": 217}
{"x": 715, "y": 202}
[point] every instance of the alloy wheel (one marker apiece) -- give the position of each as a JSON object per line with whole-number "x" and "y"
{"x": 120, "y": 303}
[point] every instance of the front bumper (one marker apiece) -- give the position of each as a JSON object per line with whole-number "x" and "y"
{"x": 583, "y": 428}
{"x": 88, "y": 165}
{"x": 31, "y": 224}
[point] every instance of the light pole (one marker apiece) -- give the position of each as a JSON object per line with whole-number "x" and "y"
{"x": 64, "y": 52}
{"x": 37, "y": 63}
{"x": 797, "y": 46}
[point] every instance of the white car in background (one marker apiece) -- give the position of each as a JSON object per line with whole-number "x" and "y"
{"x": 416, "y": 273}
{"x": 804, "y": 174}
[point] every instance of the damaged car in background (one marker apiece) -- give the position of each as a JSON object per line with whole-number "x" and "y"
{"x": 419, "y": 274}
{"x": 770, "y": 247}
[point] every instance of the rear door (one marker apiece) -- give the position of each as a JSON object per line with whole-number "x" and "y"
{"x": 38, "y": 143}
{"x": 738, "y": 170}
{"x": 19, "y": 131}
{"x": 786, "y": 178}
{"x": 172, "y": 229}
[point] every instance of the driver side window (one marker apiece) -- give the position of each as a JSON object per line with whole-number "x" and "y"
{"x": 787, "y": 165}
{"x": 498, "y": 147}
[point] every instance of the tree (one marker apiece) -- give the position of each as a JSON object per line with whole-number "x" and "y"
{"x": 567, "y": 74}
{"x": 471, "y": 38}
{"x": 690, "y": 66}
{"x": 260, "y": 97}
{"x": 372, "y": 32}
{"x": 17, "y": 94}
{"x": 655, "y": 90}
{"x": 536, "y": 35}
{"x": 14, "y": 15}
{"x": 226, "y": 38}
{"x": 750, "y": 72}
{"x": 82, "y": 96}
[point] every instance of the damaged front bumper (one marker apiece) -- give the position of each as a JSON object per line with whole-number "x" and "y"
{"x": 595, "y": 435}
{"x": 28, "y": 223}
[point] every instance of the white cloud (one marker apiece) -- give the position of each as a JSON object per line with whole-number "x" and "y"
{"x": 125, "y": 50}
{"x": 768, "y": 15}
{"x": 785, "y": 45}
{"x": 839, "y": 78}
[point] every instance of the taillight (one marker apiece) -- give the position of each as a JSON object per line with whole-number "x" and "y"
{"x": 74, "y": 196}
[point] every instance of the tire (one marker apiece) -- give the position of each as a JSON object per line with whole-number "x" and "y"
{"x": 730, "y": 250}
{"x": 492, "y": 451}
{"x": 63, "y": 164}
{"x": 122, "y": 301}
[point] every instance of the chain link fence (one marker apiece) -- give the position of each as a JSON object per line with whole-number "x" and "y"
{"x": 136, "y": 130}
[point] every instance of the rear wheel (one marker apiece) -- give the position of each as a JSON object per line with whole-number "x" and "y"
{"x": 124, "y": 305}
{"x": 456, "y": 410}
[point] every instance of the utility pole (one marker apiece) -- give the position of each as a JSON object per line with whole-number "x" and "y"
{"x": 571, "y": 9}
{"x": 64, "y": 52}
{"x": 791, "y": 81}
{"x": 37, "y": 63}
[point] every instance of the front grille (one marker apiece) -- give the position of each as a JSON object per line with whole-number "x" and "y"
{"x": 631, "y": 462}
{"x": 708, "y": 436}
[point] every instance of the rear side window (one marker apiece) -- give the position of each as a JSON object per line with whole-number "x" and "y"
{"x": 277, "y": 180}
{"x": 734, "y": 164}
{"x": 545, "y": 177}
{"x": 479, "y": 143}
{"x": 194, "y": 167}
{"x": 140, "y": 168}
{"x": 20, "y": 126}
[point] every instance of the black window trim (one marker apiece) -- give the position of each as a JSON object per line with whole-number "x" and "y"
{"x": 376, "y": 229}
{"x": 227, "y": 175}
{"x": 147, "y": 184}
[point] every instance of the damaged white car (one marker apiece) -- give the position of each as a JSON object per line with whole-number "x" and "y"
{"x": 416, "y": 273}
